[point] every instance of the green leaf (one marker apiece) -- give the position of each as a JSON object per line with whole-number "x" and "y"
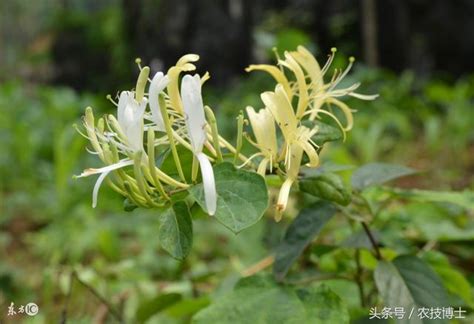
{"x": 148, "y": 308}
{"x": 326, "y": 133}
{"x": 262, "y": 301}
{"x": 435, "y": 223}
{"x": 299, "y": 234}
{"x": 188, "y": 307}
{"x": 378, "y": 173}
{"x": 242, "y": 196}
{"x": 453, "y": 279}
{"x": 324, "y": 168}
{"x": 455, "y": 283}
{"x": 409, "y": 283}
{"x": 323, "y": 305}
{"x": 360, "y": 240}
{"x": 166, "y": 162}
{"x": 464, "y": 199}
{"x": 176, "y": 230}
{"x": 327, "y": 186}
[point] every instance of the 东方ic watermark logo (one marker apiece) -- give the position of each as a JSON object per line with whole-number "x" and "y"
{"x": 30, "y": 309}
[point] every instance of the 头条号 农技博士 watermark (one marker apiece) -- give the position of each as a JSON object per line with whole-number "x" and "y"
{"x": 429, "y": 313}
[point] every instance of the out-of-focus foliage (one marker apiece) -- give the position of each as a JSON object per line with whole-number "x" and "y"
{"x": 49, "y": 228}
{"x": 50, "y": 236}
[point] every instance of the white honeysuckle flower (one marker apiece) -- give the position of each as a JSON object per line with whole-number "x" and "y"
{"x": 157, "y": 85}
{"x": 103, "y": 173}
{"x": 196, "y": 124}
{"x": 130, "y": 118}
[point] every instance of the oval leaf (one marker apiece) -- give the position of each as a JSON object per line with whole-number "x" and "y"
{"x": 264, "y": 301}
{"x": 300, "y": 233}
{"x": 176, "y": 230}
{"x": 327, "y": 186}
{"x": 378, "y": 173}
{"x": 409, "y": 283}
{"x": 150, "y": 307}
{"x": 242, "y": 196}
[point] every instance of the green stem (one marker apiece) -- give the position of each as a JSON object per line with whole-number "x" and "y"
{"x": 169, "y": 132}
{"x": 240, "y": 130}
{"x": 151, "y": 164}
{"x": 215, "y": 134}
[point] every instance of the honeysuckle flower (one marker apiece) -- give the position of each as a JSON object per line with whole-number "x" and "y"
{"x": 157, "y": 85}
{"x": 294, "y": 134}
{"x": 291, "y": 177}
{"x": 196, "y": 124}
{"x": 263, "y": 127}
{"x": 173, "y": 120}
{"x": 130, "y": 118}
{"x": 297, "y": 141}
{"x": 184, "y": 64}
{"x": 104, "y": 172}
{"x": 314, "y": 95}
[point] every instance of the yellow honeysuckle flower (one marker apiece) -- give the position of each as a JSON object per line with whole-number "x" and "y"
{"x": 184, "y": 64}
{"x": 302, "y": 87}
{"x": 263, "y": 127}
{"x": 276, "y": 73}
{"x": 279, "y": 105}
{"x": 326, "y": 93}
{"x": 312, "y": 92}
{"x": 292, "y": 176}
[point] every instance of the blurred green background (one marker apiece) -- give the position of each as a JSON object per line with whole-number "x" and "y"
{"x": 59, "y": 56}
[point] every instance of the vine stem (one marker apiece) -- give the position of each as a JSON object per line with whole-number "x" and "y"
{"x": 92, "y": 290}
{"x": 68, "y": 298}
{"x": 260, "y": 265}
{"x": 358, "y": 278}
{"x": 378, "y": 255}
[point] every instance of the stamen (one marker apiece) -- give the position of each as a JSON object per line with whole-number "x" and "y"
{"x": 138, "y": 61}
{"x": 329, "y": 61}
{"x": 109, "y": 98}
{"x": 343, "y": 74}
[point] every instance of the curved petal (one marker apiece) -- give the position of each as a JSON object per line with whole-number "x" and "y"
{"x": 134, "y": 128}
{"x": 346, "y": 110}
{"x": 310, "y": 64}
{"x": 194, "y": 111}
{"x": 263, "y": 126}
{"x": 311, "y": 153}
{"x": 173, "y": 74}
{"x": 282, "y": 111}
{"x": 208, "y": 182}
{"x": 291, "y": 63}
{"x": 262, "y": 167}
{"x": 283, "y": 197}
{"x": 363, "y": 96}
{"x": 97, "y": 185}
{"x": 122, "y": 105}
{"x": 157, "y": 85}
{"x": 118, "y": 165}
{"x": 276, "y": 73}
{"x": 103, "y": 173}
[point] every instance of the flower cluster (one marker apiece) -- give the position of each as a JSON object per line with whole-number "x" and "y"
{"x": 171, "y": 116}
{"x": 295, "y": 103}
{"x": 175, "y": 117}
